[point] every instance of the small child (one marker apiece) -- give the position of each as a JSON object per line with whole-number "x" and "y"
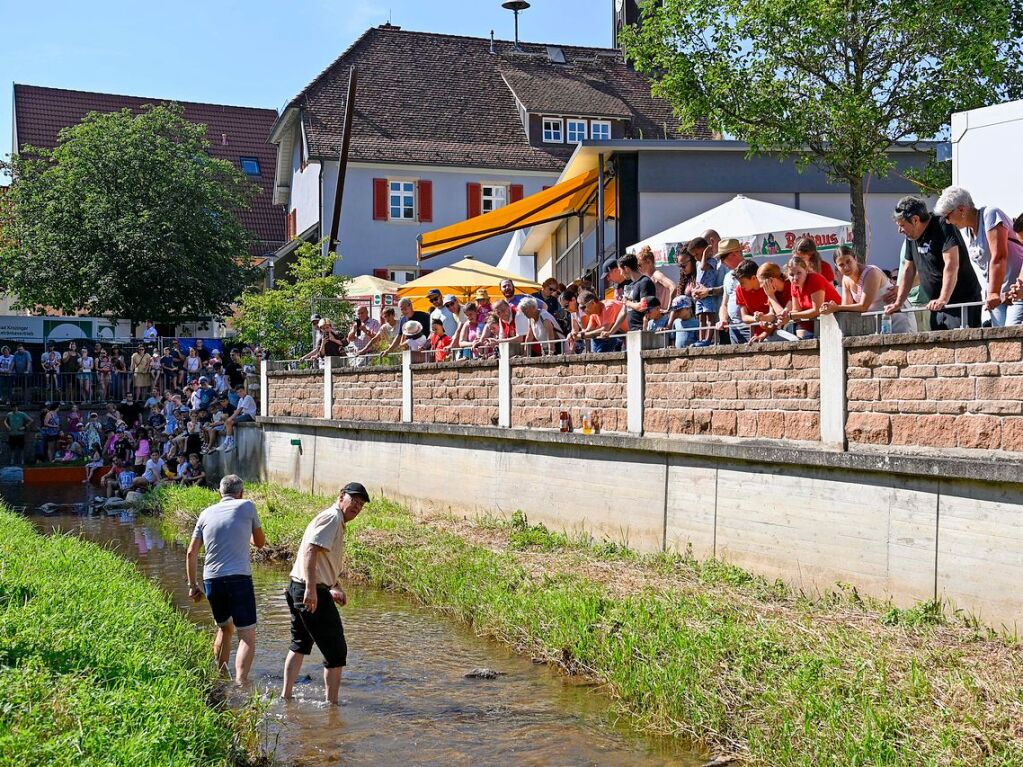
{"x": 440, "y": 341}
{"x": 95, "y": 462}
{"x": 75, "y": 425}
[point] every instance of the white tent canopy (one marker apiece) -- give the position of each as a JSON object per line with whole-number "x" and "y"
{"x": 511, "y": 261}
{"x": 763, "y": 228}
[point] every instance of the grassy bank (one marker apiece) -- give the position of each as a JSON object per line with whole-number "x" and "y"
{"x": 697, "y": 649}
{"x": 96, "y": 668}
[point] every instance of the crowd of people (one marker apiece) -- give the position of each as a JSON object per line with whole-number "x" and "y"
{"x": 958, "y": 260}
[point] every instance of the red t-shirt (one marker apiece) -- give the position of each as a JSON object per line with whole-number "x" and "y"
{"x": 754, "y": 301}
{"x": 827, "y": 272}
{"x": 812, "y": 284}
{"x": 440, "y": 346}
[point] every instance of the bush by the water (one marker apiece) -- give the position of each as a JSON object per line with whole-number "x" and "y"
{"x": 96, "y": 667}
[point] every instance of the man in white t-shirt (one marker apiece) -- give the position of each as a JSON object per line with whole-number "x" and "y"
{"x": 315, "y": 587}
{"x": 245, "y": 410}
{"x": 364, "y": 329}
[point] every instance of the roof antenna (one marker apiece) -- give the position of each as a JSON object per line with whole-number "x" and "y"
{"x": 516, "y": 6}
{"x": 493, "y": 45}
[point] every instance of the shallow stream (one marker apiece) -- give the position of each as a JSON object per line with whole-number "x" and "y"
{"x": 406, "y": 700}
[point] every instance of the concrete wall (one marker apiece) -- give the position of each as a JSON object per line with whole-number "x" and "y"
{"x": 810, "y": 518}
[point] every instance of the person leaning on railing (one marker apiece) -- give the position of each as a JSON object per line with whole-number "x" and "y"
{"x": 810, "y": 292}
{"x": 992, "y": 245}
{"x": 543, "y": 329}
{"x": 601, "y": 321}
{"x": 938, "y": 254}
{"x": 863, "y": 289}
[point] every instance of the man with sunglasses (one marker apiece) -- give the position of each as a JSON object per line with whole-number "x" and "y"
{"x": 937, "y": 253}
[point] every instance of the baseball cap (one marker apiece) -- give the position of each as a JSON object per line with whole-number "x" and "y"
{"x": 315, "y": 318}
{"x": 203, "y": 379}
{"x": 356, "y": 490}
{"x": 609, "y": 263}
{"x": 728, "y": 246}
{"x": 432, "y": 292}
{"x": 449, "y": 299}
{"x": 681, "y": 302}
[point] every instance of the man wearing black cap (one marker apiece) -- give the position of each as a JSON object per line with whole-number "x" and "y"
{"x": 314, "y": 589}
{"x": 612, "y": 277}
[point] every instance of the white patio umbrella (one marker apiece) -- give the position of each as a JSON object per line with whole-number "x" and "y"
{"x": 763, "y": 228}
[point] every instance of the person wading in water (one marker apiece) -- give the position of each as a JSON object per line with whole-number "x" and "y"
{"x": 225, "y": 529}
{"x": 315, "y": 588}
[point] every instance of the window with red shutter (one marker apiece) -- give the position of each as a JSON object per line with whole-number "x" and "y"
{"x": 515, "y": 193}
{"x": 474, "y": 200}
{"x": 380, "y": 199}
{"x": 383, "y": 274}
{"x": 425, "y": 200}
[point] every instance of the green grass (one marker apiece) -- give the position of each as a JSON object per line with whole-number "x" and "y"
{"x": 698, "y": 649}
{"x": 96, "y": 667}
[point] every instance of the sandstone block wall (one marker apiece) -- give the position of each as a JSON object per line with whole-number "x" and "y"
{"x": 297, "y": 393}
{"x": 367, "y": 394}
{"x": 770, "y": 391}
{"x": 954, "y": 390}
{"x": 455, "y": 392}
{"x": 543, "y": 387}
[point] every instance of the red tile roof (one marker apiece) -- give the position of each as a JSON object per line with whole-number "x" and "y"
{"x": 426, "y": 98}
{"x": 234, "y": 132}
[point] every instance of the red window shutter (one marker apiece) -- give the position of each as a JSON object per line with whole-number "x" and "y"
{"x": 425, "y": 200}
{"x": 474, "y": 200}
{"x": 515, "y": 193}
{"x": 380, "y": 201}
{"x": 383, "y": 274}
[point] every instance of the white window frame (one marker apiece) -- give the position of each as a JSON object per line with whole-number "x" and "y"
{"x": 502, "y": 198}
{"x": 402, "y": 193}
{"x": 551, "y": 121}
{"x": 575, "y": 122}
{"x": 602, "y": 124}
{"x": 402, "y": 274}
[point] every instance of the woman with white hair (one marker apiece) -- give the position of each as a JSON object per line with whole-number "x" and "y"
{"x": 543, "y": 328}
{"x": 993, "y": 247}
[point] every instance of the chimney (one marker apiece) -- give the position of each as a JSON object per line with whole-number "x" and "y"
{"x": 223, "y": 139}
{"x": 493, "y": 45}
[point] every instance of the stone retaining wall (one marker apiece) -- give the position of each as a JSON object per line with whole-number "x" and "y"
{"x": 543, "y": 387}
{"x": 296, "y": 393}
{"x": 962, "y": 389}
{"x": 768, "y": 390}
{"x": 367, "y": 394}
{"x": 463, "y": 393}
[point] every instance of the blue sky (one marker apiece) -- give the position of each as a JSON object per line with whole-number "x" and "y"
{"x": 244, "y": 52}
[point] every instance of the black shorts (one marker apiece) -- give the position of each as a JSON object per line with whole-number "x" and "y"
{"x": 232, "y": 598}
{"x": 322, "y": 626}
{"x": 16, "y": 441}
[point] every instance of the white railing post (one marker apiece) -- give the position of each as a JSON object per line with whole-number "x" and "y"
{"x": 504, "y": 389}
{"x": 406, "y": 386}
{"x": 832, "y": 384}
{"x": 634, "y": 391}
{"x": 264, "y": 390}
{"x": 328, "y": 387}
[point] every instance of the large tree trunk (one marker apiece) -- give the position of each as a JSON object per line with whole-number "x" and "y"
{"x": 859, "y": 217}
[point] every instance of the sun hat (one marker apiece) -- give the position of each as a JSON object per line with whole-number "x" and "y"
{"x": 412, "y": 328}
{"x": 481, "y": 293}
{"x": 731, "y": 245}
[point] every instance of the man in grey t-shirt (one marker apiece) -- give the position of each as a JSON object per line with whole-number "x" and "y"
{"x": 225, "y": 530}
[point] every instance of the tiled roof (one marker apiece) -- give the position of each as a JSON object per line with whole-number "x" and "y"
{"x": 445, "y": 100}
{"x": 233, "y": 132}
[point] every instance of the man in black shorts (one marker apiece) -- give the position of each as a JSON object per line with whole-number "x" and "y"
{"x": 225, "y": 530}
{"x": 314, "y": 589}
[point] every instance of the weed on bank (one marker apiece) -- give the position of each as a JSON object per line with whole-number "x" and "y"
{"x": 96, "y": 667}
{"x": 698, "y": 649}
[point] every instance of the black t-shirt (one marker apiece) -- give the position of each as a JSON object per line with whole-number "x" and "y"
{"x": 927, "y": 253}
{"x": 129, "y": 412}
{"x": 204, "y": 354}
{"x": 637, "y": 290}
{"x": 235, "y": 373}
{"x": 422, "y": 318}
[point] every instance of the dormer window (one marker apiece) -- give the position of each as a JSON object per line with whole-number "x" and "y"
{"x": 552, "y": 130}
{"x": 600, "y": 130}
{"x": 576, "y": 130}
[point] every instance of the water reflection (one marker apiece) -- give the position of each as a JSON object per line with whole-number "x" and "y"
{"x": 406, "y": 699}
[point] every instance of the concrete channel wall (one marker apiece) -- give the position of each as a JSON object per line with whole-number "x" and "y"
{"x": 907, "y": 527}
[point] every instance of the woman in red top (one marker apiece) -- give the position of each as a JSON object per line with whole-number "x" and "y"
{"x": 806, "y": 250}
{"x": 810, "y": 291}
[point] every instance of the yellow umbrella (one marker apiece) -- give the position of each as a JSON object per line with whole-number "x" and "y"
{"x": 462, "y": 280}
{"x": 368, "y": 285}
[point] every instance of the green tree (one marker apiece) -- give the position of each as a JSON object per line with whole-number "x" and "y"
{"x": 836, "y": 82}
{"x": 278, "y": 319}
{"x": 128, "y": 216}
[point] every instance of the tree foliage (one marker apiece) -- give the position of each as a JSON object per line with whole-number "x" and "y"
{"x": 278, "y": 319}
{"x": 836, "y": 82}
{"x": 128, "y": 216}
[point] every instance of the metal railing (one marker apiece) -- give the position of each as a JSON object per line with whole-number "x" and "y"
{"x": 908, "y": 308}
